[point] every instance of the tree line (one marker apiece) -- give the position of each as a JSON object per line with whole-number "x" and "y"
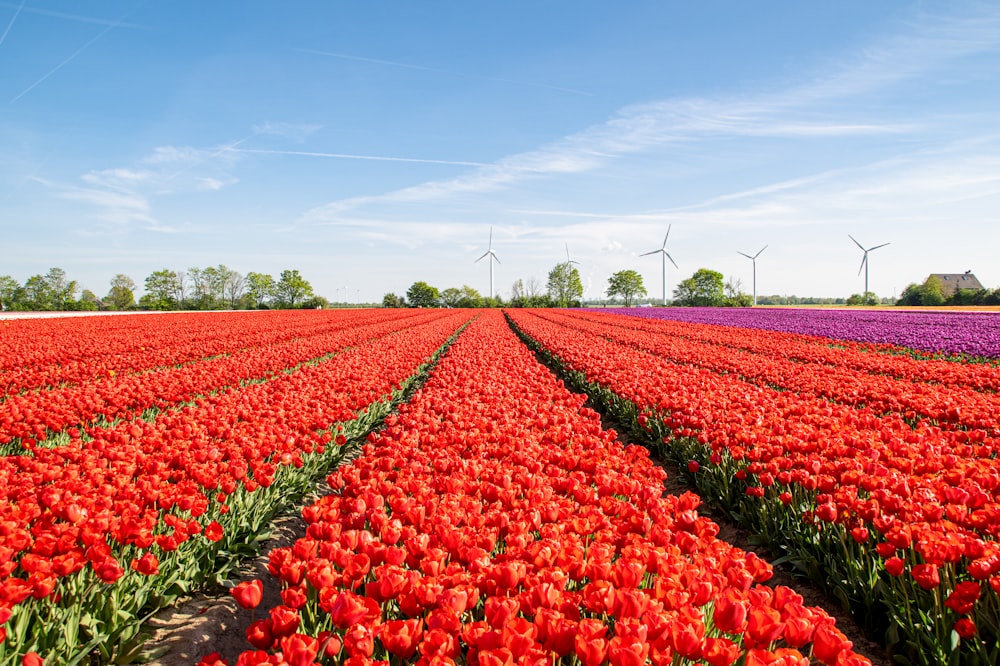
{"x": 211, "y": 288}
{"x": 564, "y": 288}
{"x": 931, "y": 292}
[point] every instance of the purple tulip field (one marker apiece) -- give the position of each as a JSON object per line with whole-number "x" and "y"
{"x": 968, "y": 333}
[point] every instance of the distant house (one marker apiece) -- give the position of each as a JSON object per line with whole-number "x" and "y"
{"x": 952, "y": 282}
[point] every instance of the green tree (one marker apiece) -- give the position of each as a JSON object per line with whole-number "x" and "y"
{"x": 292, "y": 288}
{"x": 121, "y": 296}
{"x": 393, "y": 301}
{"x": 564, "y": 284}
{"x": 61, "y": 291}
{"x": 931, "y": 292}
{"x": 233, "y": 286}
{"x": 627, "y": 284}
{"x": 868, "y": 298}
{"x": 469, "y": 297}
{"x": 10, "y": 293}
{"x": 260, "y": 288}
{"x": 37, "y": 295}
{"x": 208, "y": 286}
{"x": 705, "y": 288}
{"x": 734, "y": 295}
{"x": 451, "y": 297}
{"x": 88, "y": 301}
{"x": 422, "y": 295}
{"x": 162, "y": 288}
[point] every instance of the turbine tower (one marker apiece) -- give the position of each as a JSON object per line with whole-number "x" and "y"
{"x": 493, "y": 257}
{"x": 754, "y": 260}
{"x": 666, "y": 255}
{"x": 864, "y": 261}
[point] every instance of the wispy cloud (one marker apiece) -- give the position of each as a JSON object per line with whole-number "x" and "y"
{"x": 125, "y": 196}
{"x": 296, "y": 132}
{"x": 348, "y": 156}
{"x": 439, "y": 70}
{"x": 794, "y": 112}
{"x": 115, "y": 206}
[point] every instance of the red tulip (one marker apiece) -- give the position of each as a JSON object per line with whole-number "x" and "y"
{"x": 248, "y": 594}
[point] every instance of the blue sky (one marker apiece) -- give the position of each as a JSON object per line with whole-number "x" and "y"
{"x": 370, "y": 145}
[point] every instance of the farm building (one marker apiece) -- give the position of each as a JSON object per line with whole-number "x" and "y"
{"x": 952, "y": 282}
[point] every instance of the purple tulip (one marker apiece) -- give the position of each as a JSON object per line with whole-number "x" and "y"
{"x": 970, "y": 333}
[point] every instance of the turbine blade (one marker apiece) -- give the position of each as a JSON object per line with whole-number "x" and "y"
{"x": 644, "y": 254}
{"x": 664, "y": 246}
{"x": 485, "y": 254}
{"x": 857, "y": 243}
{"x": 494, "y": 256}
{"x": 672, "y": 260}
{"x": 863, "y": 260}
{"x": 745, "y": 255}
{"x": 877, "y": 247}
{"x": 761, "y": 250}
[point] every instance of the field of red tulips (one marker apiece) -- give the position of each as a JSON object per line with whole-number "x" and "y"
{"x": 872, "y": 471}
{"x": 133, "y": 474}
{"x": 494, "y": 521}
{"x": 486, "y": 516}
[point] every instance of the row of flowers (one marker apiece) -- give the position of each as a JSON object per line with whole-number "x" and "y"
{"x": 899, "y": 520}
{"x": 94, "y": 533}
{"x": 960, "y": 333}
{"x": 40, "y": 353}
{"x": 31, "y": 418}
{"x": 494, "y": 521}
{"x": 931, "y": 389}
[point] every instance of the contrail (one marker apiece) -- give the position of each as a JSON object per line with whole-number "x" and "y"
{"x": 12, "y": 19}
{"x": 423, "y": 68}
{"x": 74, "y": 17}
{"x": 70, "y": 58}
{"x": 347, "y": 156}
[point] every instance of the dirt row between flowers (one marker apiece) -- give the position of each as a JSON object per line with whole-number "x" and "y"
{"x": 212, "y": 621}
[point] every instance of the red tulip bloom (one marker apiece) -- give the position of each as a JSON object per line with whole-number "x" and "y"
{"x": 299, "y": 650}
{"x": 213, "y": 531}
{"x": 259, "y": 634}
{"x": 828, "y": 643}
{"x": 284, "y": 621}
{"x": 730, "y": 614}
{"x": 147, "y": 565}
{"x": 248, "y": 594}
{"x": 926, "y": 575}
{"x": 359, "y": 641}
{"x": 590, "y": 644}
{"x": 401, "y": 637}
{"x": 965, "y": 628}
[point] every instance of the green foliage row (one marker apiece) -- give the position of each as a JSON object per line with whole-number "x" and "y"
{"x": 212, "y": 288}
{"x": 931, "y": 292}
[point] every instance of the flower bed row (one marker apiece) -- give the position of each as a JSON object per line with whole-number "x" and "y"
{"x": 495, "y": 522}
{"x": 961, "y": 333}
{"x": 95, "y": 534}
{"x": 39, "y": 353}
{"x": 29, "y": 419}
{"x": 887, "y": 385}
{"x": 899, "y": 521}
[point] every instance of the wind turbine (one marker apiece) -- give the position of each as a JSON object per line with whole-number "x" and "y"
{"x": 493, "y": 257}
{"x": 568, "y": 260}
{"x": 666, "y": 255}
{"x": 754, "y": 260}
{"x": 864, "y": 261}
